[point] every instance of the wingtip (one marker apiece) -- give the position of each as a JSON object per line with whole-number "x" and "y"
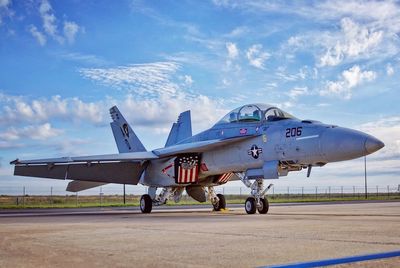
{"x": 14, "y": 162}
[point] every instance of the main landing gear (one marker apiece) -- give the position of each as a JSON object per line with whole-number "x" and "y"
{"x": 146, "y": 204}
{"x": 217, "y": 200}
{"x": 148, "y": 200}
{"x": 258, "y": 201}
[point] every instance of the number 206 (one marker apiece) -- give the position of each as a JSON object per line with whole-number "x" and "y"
{"x": 293, "y": 132}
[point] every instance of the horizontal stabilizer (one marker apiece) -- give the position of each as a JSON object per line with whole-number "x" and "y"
{"x": 77, "y": 186}
{"x": 114, "y": 172}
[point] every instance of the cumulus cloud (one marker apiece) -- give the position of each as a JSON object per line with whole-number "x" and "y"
{"x": 34, "y": 132}
{"x": 380, "y": 14}
{"x": 256, "y": 56}
{"x": 361, "y": 30}
{"x": 39, "y": 36}
{"x": 20, "y": 109}
{"x": 49, "y": 20}
{"x": 50, "y": 26}
{"x": 353, "y": 41}
{"x": 156, "y": 95}
{"x": 349, "y": 79}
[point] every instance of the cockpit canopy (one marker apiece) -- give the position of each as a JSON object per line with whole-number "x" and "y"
{"x": 255, "y": 113}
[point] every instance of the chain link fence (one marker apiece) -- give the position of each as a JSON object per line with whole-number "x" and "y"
{"x": 25, "y": 196}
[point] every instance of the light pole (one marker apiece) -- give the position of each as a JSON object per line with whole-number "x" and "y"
{"x": 365, "y": 177}
{"x": 124, "y": 195}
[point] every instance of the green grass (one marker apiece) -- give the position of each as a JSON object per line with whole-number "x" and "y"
{"x": 10, "y": 202}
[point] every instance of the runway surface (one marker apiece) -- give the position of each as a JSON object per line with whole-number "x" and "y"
{"x": 196, "y": 237}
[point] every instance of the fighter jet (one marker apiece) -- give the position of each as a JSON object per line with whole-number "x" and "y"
{"x": 252, "y": 143}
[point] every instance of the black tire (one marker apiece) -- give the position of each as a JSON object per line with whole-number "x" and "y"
{"x": 263, "y": 209}
{"x": 146, "y": 204}
{"x": 221, "y": 204}
{"x": 250, "y": 205}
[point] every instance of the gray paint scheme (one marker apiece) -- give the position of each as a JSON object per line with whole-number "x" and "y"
{"x": 266, "y": 147}
{"x": 180, "y": 130}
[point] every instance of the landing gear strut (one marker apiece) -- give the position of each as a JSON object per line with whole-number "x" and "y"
{"x": 148, "y": 200}
{"x": 217, "y": 200}
{"x": 257, "y": 201}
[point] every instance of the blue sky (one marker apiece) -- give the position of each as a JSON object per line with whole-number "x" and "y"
{"x": 64, "y": 63}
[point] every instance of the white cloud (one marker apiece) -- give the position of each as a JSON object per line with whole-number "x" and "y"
{"x": 49, "y": 20}
{"x": 388, "y": 130}
{"x": 40, "y": 37}
{"x": 21, "y": 110}
{"x": 349, "y": 79}
{"x": 4, "y": 3}
{"x": 298, "y": 91}
{"x": 143, "y": 79}
{"x": 70, "y": 31}
{"x": 354, "y": 40}
{"x": 50, "y": 26}
{"x": 5, "y": 9}
{"x": 187, "y": 80}
{"x": 154, "y": 98}
{"x": 382, "y": 14}
{"x": 233, "y": 51}
{"x": 389, "y": 69}
{"x": 88, "y": 59}
{"x": 34, "y": 132}
{"x": 256, "y": 56}
{"x": 158, "y": 114}
{"x": 238, "y": 32}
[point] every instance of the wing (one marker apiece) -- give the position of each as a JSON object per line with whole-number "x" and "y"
{"x": 112, "y": 168}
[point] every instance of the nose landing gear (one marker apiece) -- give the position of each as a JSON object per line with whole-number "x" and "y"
{"x": 258, "y": 201}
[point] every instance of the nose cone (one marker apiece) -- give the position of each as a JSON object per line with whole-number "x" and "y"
{"x": 339, "y": 144}
{"x": 372, "y": 144}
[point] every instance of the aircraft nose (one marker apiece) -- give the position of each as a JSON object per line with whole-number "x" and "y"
{"x": 338, "y": 144}
{"x": 372, "y": 144}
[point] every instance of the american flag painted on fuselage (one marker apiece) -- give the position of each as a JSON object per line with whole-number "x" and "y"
{"x": 187, "y": 168}
{"x": 224, "y": 178}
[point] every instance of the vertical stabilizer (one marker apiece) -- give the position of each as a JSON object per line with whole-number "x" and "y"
{"x": 124, "y": 136}
{"x": 180, "y": 130}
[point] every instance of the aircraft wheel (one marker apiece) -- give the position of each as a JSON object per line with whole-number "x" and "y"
{"x": 250, "y": 205}
{"x": 146, "y": 204}
{"x": 264, "y": 206}
{"x": 221, "y": 204}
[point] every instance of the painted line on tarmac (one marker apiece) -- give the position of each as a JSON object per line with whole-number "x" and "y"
{"x": 328, "y": 262}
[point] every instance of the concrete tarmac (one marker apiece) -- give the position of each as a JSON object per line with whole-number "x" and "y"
{"x": 196, "y": 237}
